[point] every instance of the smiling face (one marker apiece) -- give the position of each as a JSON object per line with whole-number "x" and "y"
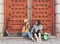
{"x": 28, "y": 24}
{"x": 38, "y": 22}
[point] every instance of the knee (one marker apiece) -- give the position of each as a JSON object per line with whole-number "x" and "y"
{"x": 28, "y": 32}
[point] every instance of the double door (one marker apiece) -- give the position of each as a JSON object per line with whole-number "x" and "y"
{"x": 15, "y": 11}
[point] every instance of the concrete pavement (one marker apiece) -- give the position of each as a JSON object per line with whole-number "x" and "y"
{"x": 27, "y": 41}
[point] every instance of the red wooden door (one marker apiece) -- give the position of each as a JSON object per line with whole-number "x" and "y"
{"x": 15, "y": 12}
{"x": 44, "y": 10}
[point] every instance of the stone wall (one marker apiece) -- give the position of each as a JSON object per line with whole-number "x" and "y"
{"x": 57, "y": 12}
{"x": 1, "y": 17}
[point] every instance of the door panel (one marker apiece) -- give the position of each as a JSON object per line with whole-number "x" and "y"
{"x": 44, "y": 11}
{"x": 15, "y": 13}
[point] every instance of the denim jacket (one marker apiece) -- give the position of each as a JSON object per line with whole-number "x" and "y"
{"x": 39, "y": 27}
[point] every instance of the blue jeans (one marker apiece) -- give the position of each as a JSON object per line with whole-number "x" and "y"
{"x": 27, "y": 34}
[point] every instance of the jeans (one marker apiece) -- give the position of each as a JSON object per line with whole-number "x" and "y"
{"x": 27, "y": 34}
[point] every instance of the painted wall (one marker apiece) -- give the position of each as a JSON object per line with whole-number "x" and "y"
{"x": 57, "y": 13}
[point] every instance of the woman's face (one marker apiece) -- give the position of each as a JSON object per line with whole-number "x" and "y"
{"x": 28, "y": 24}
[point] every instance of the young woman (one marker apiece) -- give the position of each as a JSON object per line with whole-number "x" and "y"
{"x": 25, "y": 30}
{"x": 36, "y": 30}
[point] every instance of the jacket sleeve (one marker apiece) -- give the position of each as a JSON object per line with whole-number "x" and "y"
{"x": 23, "y": 29}
{"x": 40, "y": 27}
{"x": 32, "y": 29}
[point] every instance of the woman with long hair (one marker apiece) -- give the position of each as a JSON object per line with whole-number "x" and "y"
{"x": 36, "y": 30}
